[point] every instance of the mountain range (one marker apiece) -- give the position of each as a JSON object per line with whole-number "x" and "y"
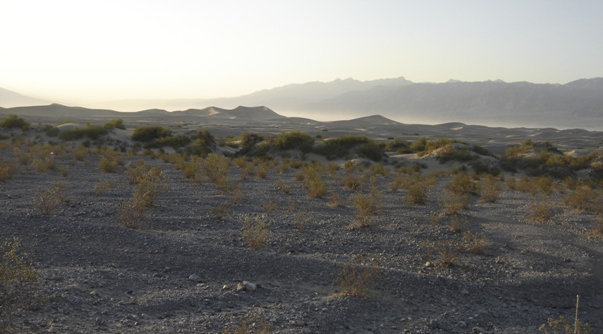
{"x": 578, "y": 104}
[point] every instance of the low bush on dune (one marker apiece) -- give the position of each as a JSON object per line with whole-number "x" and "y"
{"x": 295, "y": 140}
{"x": 344, "y": 146}
{"x": 14, "y": 122}
{"x": 90, "y": 131}
{"x": 149, "y": 133}
{"x": 6, "y": 170}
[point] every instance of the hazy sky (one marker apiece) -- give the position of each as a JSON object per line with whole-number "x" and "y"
{"x": 79, "y": 50}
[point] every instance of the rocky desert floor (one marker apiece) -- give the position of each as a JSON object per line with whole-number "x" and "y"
{"x": 180, "y": 267}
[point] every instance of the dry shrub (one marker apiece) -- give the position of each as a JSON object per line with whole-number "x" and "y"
{"x": 108, "y": 166}
{"x": 356, "y": 280}
{"x": 282, "y": 186}
{"x": 253, "y": 325}
{"x": 366, "y": 207}
{"x": 313, "y": 182}
{"x": 15, "y": 269}
{"x": 475, "y": 242}
{"x": 445, "y": 253}
{"x": 301, "y": 221}
{"x": 269, "y": 208}
{"x": 352, "y": 181}
{"x": 335, "y": 201}
{"x": 454, "y": 203}
{"x": 458, "y": 224}
{"x": 102, "y": 187}
{"x": 221, "y": 211}
{"x": 132, "y": 213}
{"x": 255, "y": 232}
{"x": 417, "y": 194}
{"x": 582, "y": 198}
{"x": 47, "y": 200}
{"x": 43, "y": 163}
{"x": 80, "y": 153}
{"x": 262, "y": 170}
{"x": 540, "y": 212}
{"x": 7, "y": 170}
{"x": 489, "y": 189}
{"x": 562, "y": 326}
{"x": 597, "y": 230}
{"x": 461, "y": 184}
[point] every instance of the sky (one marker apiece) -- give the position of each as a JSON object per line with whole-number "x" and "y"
{"x": 88, "y": 50}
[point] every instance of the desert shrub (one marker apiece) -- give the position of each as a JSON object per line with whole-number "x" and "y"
{"x": 204, "y": 144}
{"x": 150, "y": 133}
{"x": 132, "y": 213}
{"x": 419, "y": 145}
{"x": 102, "y": 187}
{"x": 91, "y": 131}
{"x": 461, "y": 184}
{"x": 262, "y": 170}
{"x": 334, "y": 148}
{"x": 457, "y": 224}
{"x": 370, "y": 150}
{"x": 43, "y": 163}
{"x": 475, "y": 242}
{"x": 489, "y": 189}
{"x": 254, "y": 325}
{"x": 255, "y": 232}
{"x": 47, "y": 200}
{"x": 173, "y": 141}
{"x": 80, "y": 153}
{"x": 313, "y": 182}
{"x": 14, "y": 122}
{"x": 351, "y": 181}
{"x": 417, "y": 194}
{"x": 269, "y": 208}
{"x": 108, "y": 166}
{"x": 356, "y": 280}
{"x": 51, "y": 131}
{"x": 454, "y": 202}
{"x": 581, "y": 198}
{"x": 540, "y": 212}
{"x": 15, "y": 269}
{"x": 216, "y": 168}
{"x": 398, "y": 145}
{"x": 366, "y": 206}
{"x": 295, "y": 140}
{"x": 282, "y": 186}
{"x": 6, "y": 170}
{"x": 115, "y": 124}
{"x": 149, "y": 186}
{"x": 444, "y": 253}
{"x": 302, "y": 220}
{"x": 335, "y": 201}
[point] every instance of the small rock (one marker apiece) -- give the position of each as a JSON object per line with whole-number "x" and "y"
{"x": 194, "y": 278}
{"x": 250, "y": 286}
{"x": 428, "y": 264}
{"x": 240, "y": 287}
{"x": 224, "y": 287}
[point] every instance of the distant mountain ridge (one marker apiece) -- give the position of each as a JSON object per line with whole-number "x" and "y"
{"x": 12, "y": 99}
{"x": 577, "y": 104}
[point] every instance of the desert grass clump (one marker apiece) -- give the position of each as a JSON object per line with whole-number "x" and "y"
{"x": 540, "y": 212}
{"x": 108, "y": 166}
{"x": 302, "y": 220}
{"x": 80, "y": 153}
{"x": 562, "y": 325}
{"x": 15, "y": 269}
{"x": 475, "y": 243}
{"x": 255, "y": 232}
{"x": 356, "y": 280}
{"x": 7, "y": 170}
{"x": 150, "y": 186}
{"x": 444, "y": 253}
{"x": 102, "y": 187}
{"x": 44, "y": 163}
{"x": 417, "y": 194}
{"x": 597, "y": 230}
{"x": 313, "y": 182}
{"x": 282, "y": 186}
{"x": 254, "y": 325}
{"x": 458, "y": 224}
{"x": 489, "y": 189}
{"x": 335, "y": 201}
{"x": 269, "y": 208}
{"x": 132, "y": 213}
{"x": 366, "y": 206}
{"x": 47, "y": 200}
{"x": 582, "y": 198}
{"x": 453, "y": 203}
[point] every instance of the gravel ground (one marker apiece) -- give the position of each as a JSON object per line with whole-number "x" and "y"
{"x": 179, "y": 270}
